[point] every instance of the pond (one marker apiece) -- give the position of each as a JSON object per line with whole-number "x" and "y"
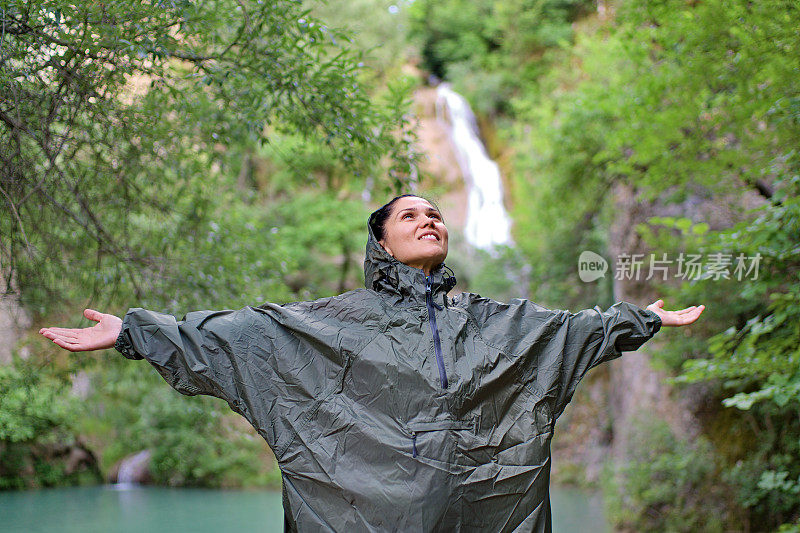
{"x": 137, "y": 509}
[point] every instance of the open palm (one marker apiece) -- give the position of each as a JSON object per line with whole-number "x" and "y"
{"x": 102, "y": 335}
{"x": 682, "y": 317}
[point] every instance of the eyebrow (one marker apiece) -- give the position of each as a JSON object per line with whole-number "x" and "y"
{"x": 427, "y": 209}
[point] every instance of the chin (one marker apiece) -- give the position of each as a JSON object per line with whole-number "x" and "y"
{"x": 437, "y": 259}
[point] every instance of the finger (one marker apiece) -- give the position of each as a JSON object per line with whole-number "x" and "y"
{"x": 64, "y": 338}
{"x": 51, "y": 335}
{"x": 91, "y": 314}
{"x": 66, "y": 331}
{"x": 689, "y": 318}
{"x": 67, "y": 334}
{"x": 72, "y": 347}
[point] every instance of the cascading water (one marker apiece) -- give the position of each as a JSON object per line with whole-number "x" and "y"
{"x": 488, "y": 224}
{"x": 132, "y": 468}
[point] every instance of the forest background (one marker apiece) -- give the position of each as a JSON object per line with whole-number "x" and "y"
{"x": 183, "y": 155}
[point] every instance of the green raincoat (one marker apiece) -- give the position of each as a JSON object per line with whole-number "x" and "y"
{"x": 395, "y": 407}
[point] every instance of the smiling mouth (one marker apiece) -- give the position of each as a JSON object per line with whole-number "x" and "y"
{"x": 429, "y": 237}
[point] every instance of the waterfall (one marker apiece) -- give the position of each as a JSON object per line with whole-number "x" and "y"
{"x": 488, "y": 224}
{"x": 133, "y": 468}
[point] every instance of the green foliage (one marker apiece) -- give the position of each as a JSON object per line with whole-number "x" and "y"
{"x": 492, "y": 49}
{"x": 667, "y": 484}
{"x": 452, "y": 31}
{"x": 765, "y": 346}
{"x": 754, "y": 362}
{"x": 500, "y": 275}
{"x": 375, "y": 27}
{"x": 764, "y": 474}
{"x": 118, "y": 113}
{"x": 29, "y": 409}
{"x": 298, "y": 247}
{"x": 194, "y": 441}
{"x": 38, "y": 421}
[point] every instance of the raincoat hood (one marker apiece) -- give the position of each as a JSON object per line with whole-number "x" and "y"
{"x": 384, "y": 273}
{"x": 394, "y": 407}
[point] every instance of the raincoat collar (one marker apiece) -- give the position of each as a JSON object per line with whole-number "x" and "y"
{"x": 385, "y": 274}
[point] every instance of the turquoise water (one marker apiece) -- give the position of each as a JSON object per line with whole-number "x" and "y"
{"x": 577, "y": 511}
{"x": 138, "y": 509}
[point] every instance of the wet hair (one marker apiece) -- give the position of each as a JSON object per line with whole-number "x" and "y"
{"x": 377, "y": 220}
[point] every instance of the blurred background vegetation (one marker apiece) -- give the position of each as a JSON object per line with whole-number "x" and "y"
{"x": 221, "y": 154}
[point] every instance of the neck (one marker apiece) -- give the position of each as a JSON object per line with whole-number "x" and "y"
{"x": 426, "y": 268}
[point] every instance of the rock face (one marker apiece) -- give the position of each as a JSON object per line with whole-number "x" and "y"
{"x": 41, "y": 464}
{"x": 13, "y": 319}
{"x": 636, "y": 389}
{"x": 615, "y": 397}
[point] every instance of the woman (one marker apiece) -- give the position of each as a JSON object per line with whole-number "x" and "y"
{"x": 393, "y": 407}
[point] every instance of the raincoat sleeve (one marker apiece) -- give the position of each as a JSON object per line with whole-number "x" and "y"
{"x": 553, "y": 349}
{"x": 588, "y": 338}
{"x": 202, "y": 354}
{"x": 271, "y": 363}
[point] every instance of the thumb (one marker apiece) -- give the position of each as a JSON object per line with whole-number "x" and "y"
{"x": 659, "y": 303}
{"x": 91, "y": 314}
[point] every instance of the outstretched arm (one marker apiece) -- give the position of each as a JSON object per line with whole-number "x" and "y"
{"x": 100, "y": 336}
{"x": 683, "y": 317}
{"x": 194, "y": 356}
{"x": 593, "y": 336}
{"x": 264, "y": 361}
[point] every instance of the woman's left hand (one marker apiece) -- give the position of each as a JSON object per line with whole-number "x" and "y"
{"x": 684, "y": 317}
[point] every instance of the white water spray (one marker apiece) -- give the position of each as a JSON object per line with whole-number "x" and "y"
{"x": 488, "y": 225}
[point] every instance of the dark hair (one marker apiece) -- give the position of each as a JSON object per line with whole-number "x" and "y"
{"x": 377, "y": 220}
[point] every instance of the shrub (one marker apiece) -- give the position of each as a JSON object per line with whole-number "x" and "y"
{"x": 667, "y": 484}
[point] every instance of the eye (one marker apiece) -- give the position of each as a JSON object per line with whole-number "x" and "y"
{"x": 407, "y": 215}
{"x": 437, "y": 216}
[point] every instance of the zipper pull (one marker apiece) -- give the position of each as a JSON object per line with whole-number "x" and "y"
{"x": 414, "y": 444}
{"x": 429, "y": 293}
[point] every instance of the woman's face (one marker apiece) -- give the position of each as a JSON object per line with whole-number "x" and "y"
{"x": 415, "y": 234}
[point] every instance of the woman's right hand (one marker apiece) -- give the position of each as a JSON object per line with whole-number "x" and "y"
{"x": 102, "y": 335}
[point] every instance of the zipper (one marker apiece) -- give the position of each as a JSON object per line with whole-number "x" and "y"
{"x": 432, "y": 426}
{"x": 437, "y": 345}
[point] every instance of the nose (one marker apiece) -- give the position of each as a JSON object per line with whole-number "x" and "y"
{"x": 428, "y": 221}
{"x": 432, "y": 219}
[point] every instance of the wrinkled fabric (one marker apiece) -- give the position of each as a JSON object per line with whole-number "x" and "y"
{"x": 348, "y": 393}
